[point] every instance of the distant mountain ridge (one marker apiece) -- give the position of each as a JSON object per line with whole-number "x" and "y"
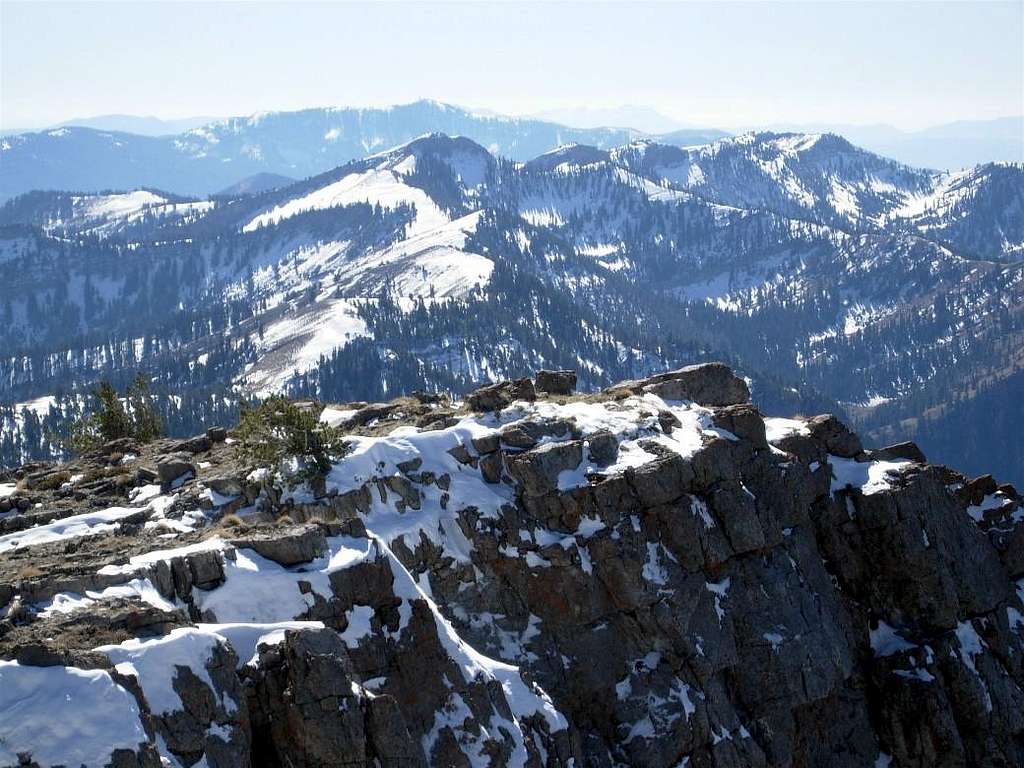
{"x": 98, "y": 153}
{"x": 258, "y": 182}
{"x": 209, "y": 158}
{"x": 952, "y": 146}
{"x": 143, "y": 125}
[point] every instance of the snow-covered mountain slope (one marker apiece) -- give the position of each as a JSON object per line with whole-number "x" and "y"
{"x": 979, "y": 211}
{"x": 812, "y": 176}
{"x": 435, "y": 265}
{"x": 104, "y": 215}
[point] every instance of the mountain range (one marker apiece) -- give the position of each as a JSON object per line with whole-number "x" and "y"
{"x": 210, "y": 157}
{"x": 833, "y": 278}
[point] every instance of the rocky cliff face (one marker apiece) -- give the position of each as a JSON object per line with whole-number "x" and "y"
{"x": 654, "y": 575}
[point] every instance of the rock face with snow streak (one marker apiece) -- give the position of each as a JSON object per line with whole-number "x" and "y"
{"x": 626, "y": 578}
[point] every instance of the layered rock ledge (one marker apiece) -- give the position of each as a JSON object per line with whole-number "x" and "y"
{"x": 653, "y": 575}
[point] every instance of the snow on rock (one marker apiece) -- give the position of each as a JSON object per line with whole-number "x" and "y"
{"x": 358, "y": 625}
{"x": 869, "y": 476}
{"x": 992, "y": 501}
{"x": 155, "y": 664}
{"x": 630, "y": 421}
{"x": 246, "y": 637}
{"x": 379, "y": 457}
{"x": 720, "y": 590}
{"x": 139, "y": 562}
{"x": 777, "y": 428}
{"x": 885, "y": 641}
{"x": 86, "y": 524}
{"x": 255, "y": 589}
{"x": 143, "y": 589}
{"x": 334, "y": 417}
{"x": 524, "y": 700}
{"x": 65, "y": 716}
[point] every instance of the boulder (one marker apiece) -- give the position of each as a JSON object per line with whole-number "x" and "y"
{"x": 556, "y": 382}
{"x": 974, "y": 491}
{"x": 744, "y": 421}
{"x": 121, "y": 445}
{"x": 217, "y": 434}
{"x": 196, "y": 444}
{"x": 494, "y": 397}
{"x": 711, "y": 384}
{"x": 516, "y": 437}
{"x": 487, "y": 444}
{"x": 907, "y": 450}
{"x": 403, "y": 487}
{"x": 288, "y": 547}
{"x": 171, "y": 466}
{"x": 462, "y": 455}
{"x": 834, "y": 436}
{"x": 528, "y": 432}
{"x": 225, "y": 485}
{"x": 602, "y": 447}
{"x": 370, "y": 412}
{"x": 491, "y": 465}
{"x": 537, "y": 470}
{"x": 306, "y": 704}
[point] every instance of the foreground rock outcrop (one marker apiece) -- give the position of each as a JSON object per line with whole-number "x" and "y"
{"x": 655, "y": 575}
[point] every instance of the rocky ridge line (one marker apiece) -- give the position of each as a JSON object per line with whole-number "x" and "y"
{"x": 652, "y": 575}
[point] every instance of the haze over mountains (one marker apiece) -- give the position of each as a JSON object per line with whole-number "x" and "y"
{"x": 834, "y": 278}
{"x": 205, "y": 155}
{"x": 951, "y": 146}
{"x": 295, "y": 144}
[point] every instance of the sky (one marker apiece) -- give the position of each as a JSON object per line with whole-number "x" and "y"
{"x": 721, "y": 64}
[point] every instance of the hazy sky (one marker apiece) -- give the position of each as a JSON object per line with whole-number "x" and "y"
{"x": 722, "y": 64}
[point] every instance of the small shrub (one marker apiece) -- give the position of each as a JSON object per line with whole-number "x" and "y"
{"x": 279, "y": 435}
{"x": 103, "y": 473}
{"x": 53, "y": 481}
{"x": 232, "y": 521}
{"x": 114, "y": 417}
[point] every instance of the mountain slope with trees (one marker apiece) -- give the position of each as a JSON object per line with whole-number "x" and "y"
{"x": 834, "y": 279}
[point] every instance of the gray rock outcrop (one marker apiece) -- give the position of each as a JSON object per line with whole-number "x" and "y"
{"x": 596, "y": 580}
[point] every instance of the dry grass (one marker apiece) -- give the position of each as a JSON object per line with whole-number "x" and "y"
{"x": 53, "y": 481}
{"x": 105, "y": 472}
{"x": 30, "y": 572}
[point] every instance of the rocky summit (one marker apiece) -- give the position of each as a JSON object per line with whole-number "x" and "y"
{"x": 653, "y": 575}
